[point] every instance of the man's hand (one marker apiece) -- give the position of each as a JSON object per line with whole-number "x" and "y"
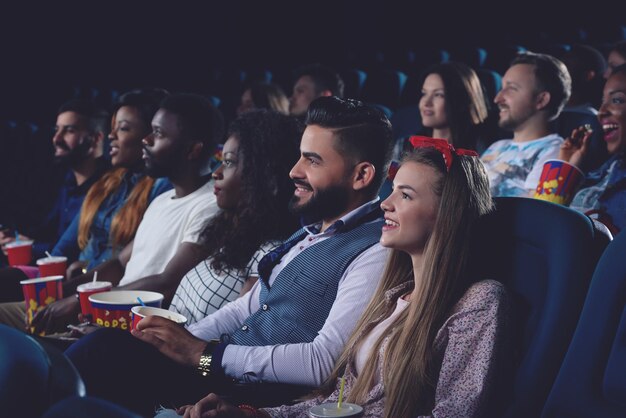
{"x": 75, "y": 269}
{"x": 7, "y": 236}
{"x": 56, "y": 316}
{"x": 574, "y": 149}
{"x": 170, "y": 339}
{"x": 211, "y": 406}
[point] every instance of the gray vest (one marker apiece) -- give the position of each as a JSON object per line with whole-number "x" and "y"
{"x": 295, "y": 308}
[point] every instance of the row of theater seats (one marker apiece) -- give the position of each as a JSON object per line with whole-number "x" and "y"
{"x": 566, "y": 351}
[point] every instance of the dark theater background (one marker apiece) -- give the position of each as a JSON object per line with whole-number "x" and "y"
{"x": 55, "y": 51}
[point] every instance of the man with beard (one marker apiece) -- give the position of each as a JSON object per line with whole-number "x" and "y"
{"x": 185, "y": 131}
{"x": 292, "y": 325}
{"x": 534, "y": 90}
{"x": 79, "y": 133}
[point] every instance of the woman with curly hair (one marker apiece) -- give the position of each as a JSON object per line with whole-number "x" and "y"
{"x": 253, "y": 188}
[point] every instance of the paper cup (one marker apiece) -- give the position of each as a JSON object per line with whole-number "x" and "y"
{"x": 19, "y": 252}
{"x": 112, "y": 309}
{"x": 558, "y": 182}
{"x": 140, "y": 312}
{"x": 41, "y": 292}
{"x": 87, "y": 289}
{"x": 330, "y": 410}
{"x": 52, "y": 266}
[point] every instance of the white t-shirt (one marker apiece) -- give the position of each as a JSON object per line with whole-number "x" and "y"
{"x": 514, "y": 168}
{"x": 167, "y": 223}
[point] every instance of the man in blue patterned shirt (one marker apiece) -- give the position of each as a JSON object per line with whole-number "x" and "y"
{"x": 534, "y": 90}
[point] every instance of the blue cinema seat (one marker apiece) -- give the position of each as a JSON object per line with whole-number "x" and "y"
{"x": 24, "y": 375}
{"x": 545, "y": 254}
{"x": 33, "y": 377}
{"x": 353, "y": 79}
{"x": 384, "y": 87}
{"x": 82, "y": 407}
{"x": 592, "y": 379}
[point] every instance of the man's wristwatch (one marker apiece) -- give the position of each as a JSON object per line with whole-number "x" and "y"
{"x": 206, "y": 359}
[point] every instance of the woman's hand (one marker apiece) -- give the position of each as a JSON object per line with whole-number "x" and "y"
{"x": 211, "y": 406}
{"x": 574, "y": 149}
{"x": 75, "y": 269}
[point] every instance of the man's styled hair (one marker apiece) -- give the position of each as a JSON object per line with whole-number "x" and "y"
{"x": 198, "y": 119}
{"x": 552, "y": 76}
{"x": 98, "y": 119}
{"x": 363, "y": 132}
{"x": 324, "y": 78}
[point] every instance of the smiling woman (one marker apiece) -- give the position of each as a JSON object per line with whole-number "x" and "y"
{"x": 453, "y": 105}
{"x": 604, "y": 191}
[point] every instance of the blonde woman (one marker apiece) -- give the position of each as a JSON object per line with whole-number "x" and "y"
{"x": 428, "y": 343}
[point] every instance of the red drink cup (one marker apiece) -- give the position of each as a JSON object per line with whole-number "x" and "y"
{"x": 558, "y": 182}
{"x": 52, "y": 266}
{"x": 112, "y": 309}
{"x": 140, "y": 312}
{"x": 87, "y": 289}
{"x": 41, "y": 292}
{"x": 20, "y": 253}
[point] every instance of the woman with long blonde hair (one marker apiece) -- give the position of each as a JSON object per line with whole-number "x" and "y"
{"x": 428, "y": 343}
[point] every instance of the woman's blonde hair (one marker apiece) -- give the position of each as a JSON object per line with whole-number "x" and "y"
{"x": 409, "y": 368}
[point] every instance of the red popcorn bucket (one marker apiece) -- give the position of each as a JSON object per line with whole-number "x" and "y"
{"x": 112, "y": 309}
{"x": 39, "y": 293}
{"x": 140, "y": 312}
{"x": 20, "y": 252}
{"x": 558, "y": 182}
{"x": 52, "y": 266}
{"x": 87, "y": 289}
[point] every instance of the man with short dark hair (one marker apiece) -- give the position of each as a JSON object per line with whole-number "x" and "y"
{"x": 79, "y": 135}
{"x": 586, "y": 66}
{"x": 185, "y": 131}
{"x": 313, "y": 81}
{"x": 534, "y": 90}
{"x": 293, "y": 324}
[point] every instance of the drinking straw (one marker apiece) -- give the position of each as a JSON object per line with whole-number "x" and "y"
{"x": 17, "y": 237}
{"x": 343, "y": 381}
{"x": 95, "y": 276}
{"x": 140, "y": 301}
{"x": 48, "y": 254}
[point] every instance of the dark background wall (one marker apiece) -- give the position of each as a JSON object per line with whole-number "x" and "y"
{"x": 54, "y": 51}
{"x": 49, "y": 48}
